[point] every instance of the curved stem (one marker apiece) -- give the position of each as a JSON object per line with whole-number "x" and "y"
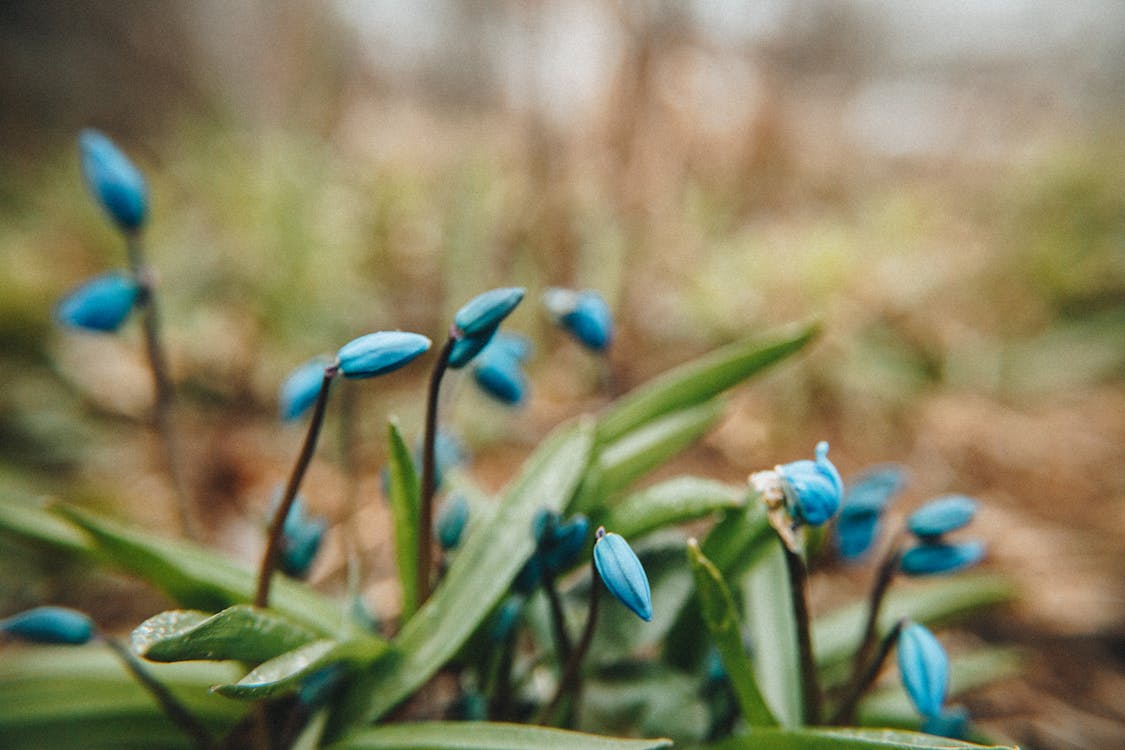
{"x": 171, "y": 707}
{"x": 569, "y": 681}
{"x": 799, "y": 585}
{"x": 883, "y": 577}
{"x": 429, "y": 483}
{"x": 277, "y": 524}
{"x": 845, "y": 714}
{"x": 162, "y": 386}
{"x": 563, "y": 646}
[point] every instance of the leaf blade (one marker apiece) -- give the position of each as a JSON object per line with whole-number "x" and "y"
{"x": 240, "y": 632}
{"x": 405, "y": 498}
{"x": 453, "y": 735}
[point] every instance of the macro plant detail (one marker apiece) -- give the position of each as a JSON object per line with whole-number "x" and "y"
{"x": 502, "y": 639}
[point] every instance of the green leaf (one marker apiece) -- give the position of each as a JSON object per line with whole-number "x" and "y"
{"x": 640, "y": 697}
{"x": 721, "y": 617}
{"x": 285, "y": 673}
{"x": 481, "y": 735}
{"x": 671, "y": 502}
{"x": 837, "y": 634}
{"x": 773, "y": 631}
{"x": 478, "y": 578}
{"x": 842, "y": 739}
{"x": 198, "y": 578}
{"x": 635, "y": 454}
{"x": 699, "y": 380}
{"x": 35, "y": 524}
{"x": 62, "y": 696}
{"x": 240, "y": 632}
{"x": 405, "y": 498}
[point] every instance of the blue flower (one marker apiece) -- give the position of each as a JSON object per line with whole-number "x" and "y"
{"x": 862, "y": 508}
{"x": 558, "y": 544}
{"x": 477, "y": 322}
{"x": 380, "y": 353}
{"x": 50, "y": 625}
{"x": 300, "y": 537}
{"x": 301, "y": 387}
{"x": 622, "y": 573}
{"x": 924, "y": 669}
{"x": 482, "y": 314}
{"x": 935, "y": 559}
{"x": 118, "y": 185}
{"x": 941, "y": 516}
{"x": 451, "y": 522}
{"x": 499, "y": 374}
{"x": 505, "y": 618}
{"x": 101, "y": 304}
{"x": 585, "y": 315}
{"x": 813, "y": 488}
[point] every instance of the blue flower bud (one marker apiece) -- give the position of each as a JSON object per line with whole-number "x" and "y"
{"x": 466, "y": 348}
{"x": 622, "y": 573}
{"x": 860, "y": 512}
{"x": 873, "y": 489}
{"x": 565, "y": 544}
{"x": 941, "y": 516}
{"x": 953, "y": 723}
{"x": 380, "y": 353}
{"x": 528, "y": 577}
{"x": 483, "y": 313}
{"x": 585, "y": 315}
{"x": 935, "y": 559}
{"x": 118, "y": 185}
{"x": 301, "y": 387}
{"x": 499, "y": 375}
{"x": 50, "y": 625}
{"x": 505, "y": 618}
{"x": 451, "y": 522}
{"x": 924, "y": 668}
{"x": 813, "y": 488}
{"x": 101, "y": 304}
{"x": 300, "y": 538}
{"x": 543, "y": 526}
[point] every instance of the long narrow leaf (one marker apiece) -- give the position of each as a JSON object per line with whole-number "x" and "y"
{"x": 240, "y": 632}
{"x": 405, "y": 494}
{"x": 35, "y": 524}
{"x": 843, "y": 739}
{"x": 721, "y": 617}
{"x": 671, "y": 502}
{"x": 836, "y": 634}
{"x": 773, "y": 633}
{"x": 198, "y": 578}
{"x": 699, "y": 380}
{"x": 452, "y": 735}
{"x": 285, "y": 673}
{"x": 480, "y": 575}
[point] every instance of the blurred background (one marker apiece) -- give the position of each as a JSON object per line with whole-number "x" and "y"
{"x": 942, "y": 185}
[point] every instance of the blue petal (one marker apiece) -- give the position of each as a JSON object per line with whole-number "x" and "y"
{"x": 466, "y": 348}
{"x": 101, "y": 304}
{"x": 486, "y": 310}
{"x": 855, "y": 533}
{"x": 50, "y": 625}
{"x": 814, "y": 488}
{"x": 623, "y": 574}
{"x": 924, "y": 668}
{"x": 941, "y": 516}
{"x": 873, "y": 489}
{"x": 451, "y": 521}
{"x": 591, "y": 321}
{"x": 117, "y": 185}
{"x": 567, "y": 542}
{"x": 301, "y": 387}
{"x": 500, "y": 376}
{"x": 935, "y": 559}
{"x": 380, "y": 353}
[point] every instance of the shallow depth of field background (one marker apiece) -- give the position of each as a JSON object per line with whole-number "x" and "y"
{"x": 943, "y": 185}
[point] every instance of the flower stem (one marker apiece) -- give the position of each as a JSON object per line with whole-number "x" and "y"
{"x": 429, "y": 483}
{"x": 168, "y": 703}
{"x": 162, "y": 386}
{"x": 883, "y": 577}
{"x": 569, "y": 682}
{"x": 277, "y": 524}
{"x": 799, "y": 587}
{"x": 845, "y": 714}
{"x": 558, "y": 619}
